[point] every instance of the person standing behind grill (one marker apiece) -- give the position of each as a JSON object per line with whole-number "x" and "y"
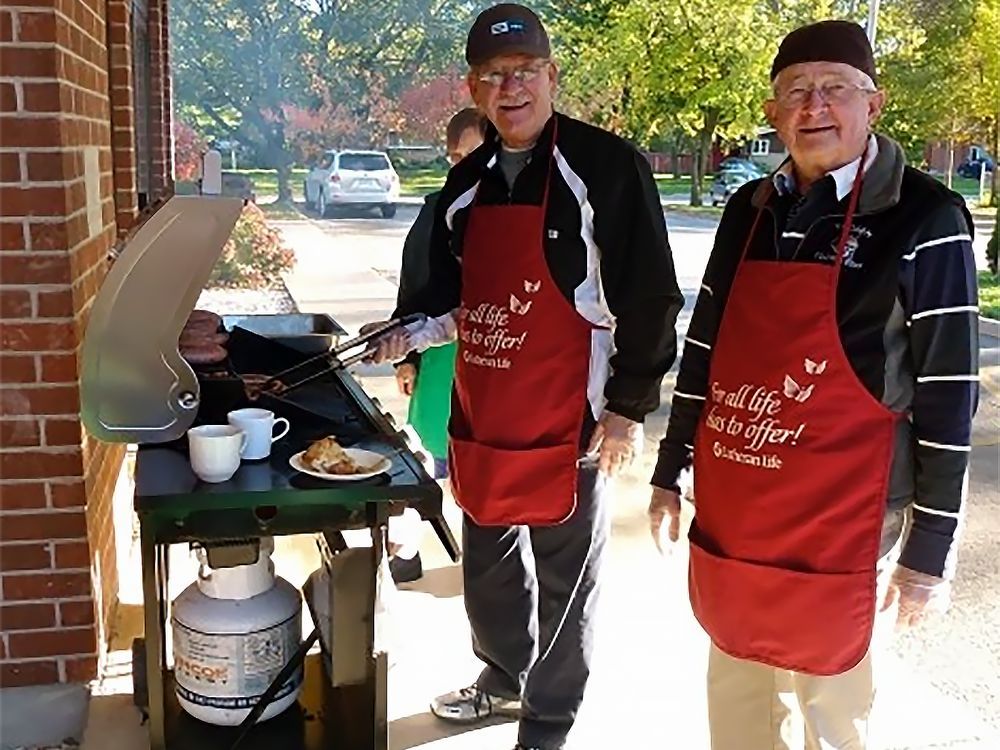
{"x": 826, "y": 392}
{"x": 550, "y": 263}
{"x": 427, "y": 378}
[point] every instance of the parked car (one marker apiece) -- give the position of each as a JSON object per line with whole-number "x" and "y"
{"x": 728, "y": 181}
{"x": 972, "y": 167}
{"x": 736, "y": 163}
{"x": 353, "y": 178}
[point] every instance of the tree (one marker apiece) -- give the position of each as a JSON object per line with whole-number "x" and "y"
{"x": 656, "y": 68}
{"x": 238, "y": 63}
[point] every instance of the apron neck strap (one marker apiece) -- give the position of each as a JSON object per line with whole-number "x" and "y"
{"x": 852, "y": 207}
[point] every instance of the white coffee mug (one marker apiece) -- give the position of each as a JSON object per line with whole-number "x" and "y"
{"x": 216, "y": 450}
{"x": 258, "y": 424}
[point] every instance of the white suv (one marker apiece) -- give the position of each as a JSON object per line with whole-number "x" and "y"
{"x": 353, "y": 178}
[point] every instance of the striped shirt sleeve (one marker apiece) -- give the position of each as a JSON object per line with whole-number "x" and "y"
{"x": 677, "y": 447}
{"x": 940, "y": 300}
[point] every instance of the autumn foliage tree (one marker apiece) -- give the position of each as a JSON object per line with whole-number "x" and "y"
{"x": 189, "y": 146}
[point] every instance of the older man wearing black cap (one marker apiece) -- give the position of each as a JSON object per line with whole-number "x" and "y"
{"x": 825, "y": 398}
{"x": 550, "y": 264}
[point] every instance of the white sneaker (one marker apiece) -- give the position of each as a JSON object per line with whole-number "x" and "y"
{"x": 472, "y": 704}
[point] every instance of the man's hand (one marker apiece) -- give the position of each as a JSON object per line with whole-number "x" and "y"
{"x": 619, "y": 440}
{"x": 406, "y": 378}
{"x": 664, "y": 504}
{"x": 918, "y": 594}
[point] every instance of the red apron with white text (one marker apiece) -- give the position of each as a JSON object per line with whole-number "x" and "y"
{"x": 792, "y": 462}
{"x": 520, "y": 375}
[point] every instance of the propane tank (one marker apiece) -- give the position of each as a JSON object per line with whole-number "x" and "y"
{"x": 233, "y": 631}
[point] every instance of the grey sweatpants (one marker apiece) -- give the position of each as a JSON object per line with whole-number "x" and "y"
{"x": 531, "y": 594}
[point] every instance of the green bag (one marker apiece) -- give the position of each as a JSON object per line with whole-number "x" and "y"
{"x": 430, "y": 405}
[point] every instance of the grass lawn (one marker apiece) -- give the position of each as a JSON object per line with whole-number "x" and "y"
{"x": 708, "y": 211}
{"x": 280, "y": 210}
{"x": 989, "y": 295}
{"x": 421, "y": 181}
{"x": 668, "y": 184}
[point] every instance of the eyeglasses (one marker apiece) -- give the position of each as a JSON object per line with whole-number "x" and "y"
{"x": 522, "y": 75}
{"x": 836, "y": 92}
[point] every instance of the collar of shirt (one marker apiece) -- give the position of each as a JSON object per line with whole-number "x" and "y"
{"x": 784, "y": 178}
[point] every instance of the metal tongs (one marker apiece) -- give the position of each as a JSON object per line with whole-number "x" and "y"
{"x": 332, "y": 357}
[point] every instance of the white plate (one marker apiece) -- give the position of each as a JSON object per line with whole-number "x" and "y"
{"x": 373, "y": 463}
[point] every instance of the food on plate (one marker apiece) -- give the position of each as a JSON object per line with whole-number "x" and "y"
{"x": 203, "y": 354}
{"x": 328, "y": 457}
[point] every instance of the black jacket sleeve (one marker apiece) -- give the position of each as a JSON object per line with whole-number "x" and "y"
{"x": 414, "y": 273}
{"x": 640, "y": 285}
{"x": 442, "y": 292}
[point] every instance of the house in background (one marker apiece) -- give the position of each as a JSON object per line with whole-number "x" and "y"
{"x": 85, "y": 143}
{"x": 766, "y": 149}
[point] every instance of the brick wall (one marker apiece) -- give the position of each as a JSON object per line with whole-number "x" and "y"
{"x": 67, "y": 187}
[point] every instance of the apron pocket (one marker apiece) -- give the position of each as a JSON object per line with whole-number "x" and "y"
{"x": 816, "y": 623}
{"x": 502, "y": 487}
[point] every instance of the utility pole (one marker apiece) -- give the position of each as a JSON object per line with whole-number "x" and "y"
{"x": 872, "y": 20}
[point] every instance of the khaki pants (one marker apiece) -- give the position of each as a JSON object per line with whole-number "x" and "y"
{"x": 752, "y": 706}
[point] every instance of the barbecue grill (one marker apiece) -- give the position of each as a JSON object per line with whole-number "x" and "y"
{"x": 137, "y": 388}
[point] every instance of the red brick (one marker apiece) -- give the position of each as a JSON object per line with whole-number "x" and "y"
{"x": 52, "y": 643}
{"x": 27, "y": 201}
{"x": 17, "y": 62}
{"x": 44, "y": 525}
{"x": 37, "y": 337}
{"x": 19, "y": 433}
{"x": 36, "y": 132}
{"x": 40, "y": 465}
{"x": 37, "y": 27}
{"x": 27, "y": 616}
{"x": 22, "y": 496}
{"x": 25, "y": 673}
{"x": 55, "y": 304}
{"x": 24, "y": 556}
{"x": 45, "y": 585}
{"x": 6, "y": 27}
{"x": 17, "y": 369}
{"x": 72, "y": 495}
{"x": 10, "y": 167}
{"x": 47, "y": 167}
{"x": 48, "y": 236}
{"x": 58, "y": 368}
{"x": 72, "y": 555}
{"x": 42, "y": 400}
{"x": 15, "y": 303}
{"x": 11, "y": 236}
{"x": 81, "y": 670}
{"x": 63, "y": 432}
{"x": 76, "y": 614}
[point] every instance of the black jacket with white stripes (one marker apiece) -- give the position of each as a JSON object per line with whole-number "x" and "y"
{"x": 906, "y": 307}
{"x": 605, "y": 242}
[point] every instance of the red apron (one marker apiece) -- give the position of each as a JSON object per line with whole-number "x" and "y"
{"x": 792, "y": 461}
{"x": 520, "y": 375}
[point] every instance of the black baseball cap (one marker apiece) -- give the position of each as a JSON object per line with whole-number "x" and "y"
{"x": 506, "y": 29}
{"x": 827, "y": 41}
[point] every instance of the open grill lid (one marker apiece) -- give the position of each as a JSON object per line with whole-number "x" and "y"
{"x": 134, "y": 385}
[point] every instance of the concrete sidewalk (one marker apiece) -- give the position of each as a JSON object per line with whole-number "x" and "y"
{"x": 648, "y": 685}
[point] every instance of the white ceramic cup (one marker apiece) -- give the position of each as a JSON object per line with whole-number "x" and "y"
{"x": 258, "y": 424}
{"x": 216, "y": 450}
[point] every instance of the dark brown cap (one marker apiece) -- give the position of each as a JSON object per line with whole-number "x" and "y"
{"x": 506, "y": 29}
{"x": 826, "y": 41}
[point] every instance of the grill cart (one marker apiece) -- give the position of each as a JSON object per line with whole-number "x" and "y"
{"x": 136, "y": 388}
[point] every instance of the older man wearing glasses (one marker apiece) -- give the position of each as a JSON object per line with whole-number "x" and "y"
{"x": 550, "y": 265}
{"x": 825, "y": 398}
